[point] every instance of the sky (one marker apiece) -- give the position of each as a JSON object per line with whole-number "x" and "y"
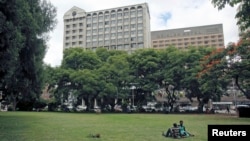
{"x": 164, "y": 14}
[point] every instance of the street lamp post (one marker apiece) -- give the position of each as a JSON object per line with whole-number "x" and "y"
{"x": 133, "y": 101}
{"x": 234, "y": 93}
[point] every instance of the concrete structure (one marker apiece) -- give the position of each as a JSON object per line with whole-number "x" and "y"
{"x": 122, "y": 28}
{"x": 209, "y": 35}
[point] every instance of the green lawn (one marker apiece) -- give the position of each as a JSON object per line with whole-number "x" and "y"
{"x": 46, "y": 126}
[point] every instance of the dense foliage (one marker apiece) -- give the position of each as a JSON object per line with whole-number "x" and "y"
{"x": 23, "y": 28}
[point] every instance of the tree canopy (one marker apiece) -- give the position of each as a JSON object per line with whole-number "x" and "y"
{"x": 24, "y": 25}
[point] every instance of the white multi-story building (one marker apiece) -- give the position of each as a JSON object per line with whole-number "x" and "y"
{"x": 121, "y": 28}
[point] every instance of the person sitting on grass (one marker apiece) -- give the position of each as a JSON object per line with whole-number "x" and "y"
{"x": 173, "y": 132}
{"x": 183, "y": 131}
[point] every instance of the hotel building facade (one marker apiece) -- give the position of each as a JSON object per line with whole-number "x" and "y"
{"x": 208, "y": 35}
{"x": 122, "y": 28}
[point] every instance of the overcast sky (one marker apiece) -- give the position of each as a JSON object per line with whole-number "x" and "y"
{"x": 165, "y": 14}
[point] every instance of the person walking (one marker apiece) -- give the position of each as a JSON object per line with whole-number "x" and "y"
{"x": 228, "y": 109}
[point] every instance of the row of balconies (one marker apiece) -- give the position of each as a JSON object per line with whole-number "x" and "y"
{"x": 109, "y": 36}
{"x": 189, "y": 39}
{"x": 189, "y": 44}
{"x": 106, "y": 17}
{"x": 193, "y": 41}
{"x": 119, "y": 46}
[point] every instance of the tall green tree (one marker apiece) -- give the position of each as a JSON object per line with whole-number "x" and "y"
{"x": 24, "y": 25}
{"x": 173, "y": 73}
{"x": 115, "y": 72}
{"x": 144, "y": 67}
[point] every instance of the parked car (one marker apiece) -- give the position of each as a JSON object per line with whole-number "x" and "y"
{"x": 151, "y": 107}
{"x": 81, "y": 108}
{"x": 118, "y": 108}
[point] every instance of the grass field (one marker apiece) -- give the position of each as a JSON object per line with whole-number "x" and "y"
{"x": 46, "y": 126}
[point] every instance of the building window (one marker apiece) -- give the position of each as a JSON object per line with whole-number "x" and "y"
{"x": 100, "y": 18}
{"x": 119, "y": 22}
{"x": 100, "y": 24}
{"x": 113, "y": 41}
{"x": 120, "y": 40}
{"x": 119, "y": 15}
{"x": 132, "y": 33}
{"x": 140, "y": 45}
{"x": 94, "y": 31}
{"x": 94, "y": 19}
{"x": 94, "y": 43}
{"x": 139, "y": 19}
{"x": 100, "y": 43}
{"x": 94, "y": 25}
{"x": 132, "y": 13}
{"x": 126, "y": 20}
{"x": 113, "y": 22}
{"x": 113, "y": 15}
{"x": 106, "y": 22}
{"x": 126, "y": 39}
{"x": 133, "y": 45}
{"x": 100, "y": 37}
{"x": 88, "y": 37}
{"x": 133, "y": 39}
{"x": 100, "y": 30}
{"x": 126, "y": 27}
{"x": 139, "y": 12}
{"x": 140, "y": 26}
{"x": 119, "y": 34}
{"x": 113, "y": 29}
{"x": 88, "y": 32}
{"x": 113, "y": 35}
{"x": 126, "y": 33}
{"x": 106, "y": 36}
{"x": 139, "y": 32}
{"x": 106, "y": 29}
{"x": 106, "y": 17}
{"x": 88, "y": 44}
{"x": 120, "y": 47}
{"x": 133, "y": 26}
{"x": 106, "y": 42}
{"x": 126, "y": 46}
{"x": 140, "y": 38}
{"x": 125, "y": 14}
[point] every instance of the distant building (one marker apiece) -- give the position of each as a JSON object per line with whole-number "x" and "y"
{"x": 121, "y": 28}
{"x": 208, "y": 35}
